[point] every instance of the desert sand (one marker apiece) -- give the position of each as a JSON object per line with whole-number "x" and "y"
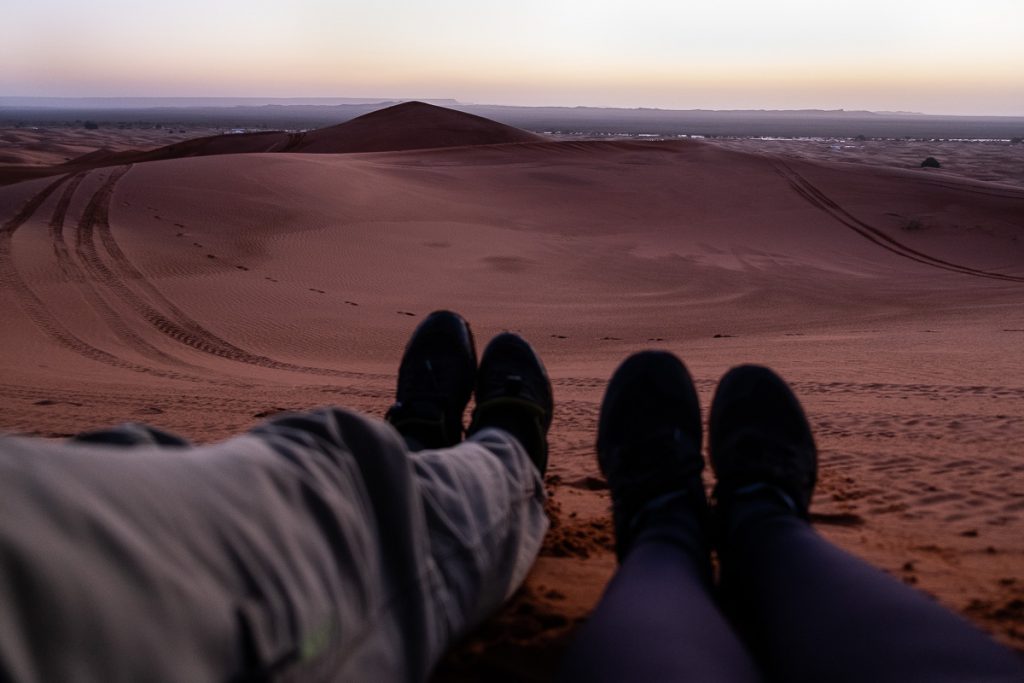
{"x": 990, "y": 160}
{"x": 204, "y": 293}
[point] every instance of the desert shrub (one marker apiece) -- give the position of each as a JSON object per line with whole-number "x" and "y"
{"x": 931, "y": 162}
{"x": 91, "y": 125}
{"x": 1016, "y": 141}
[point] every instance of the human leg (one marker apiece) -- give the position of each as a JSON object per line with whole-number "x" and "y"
{"x": 482, "y": 499}
{"x": 316, "y": 547}
{"x": 658, "y": 619}
{"x": 485, "y": 496}
{"x": 454, "y": 529}
{"x": 810, "y": 611}
{"x": 484, "y": 509}
{"x": 132, "y": 434}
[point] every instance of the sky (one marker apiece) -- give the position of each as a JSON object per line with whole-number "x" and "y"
{"x": 931, "y": 56}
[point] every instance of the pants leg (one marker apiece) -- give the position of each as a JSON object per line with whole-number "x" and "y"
{"x": 658, "y": 620}
{"x": 131, "y": 434}
{"x": 483, "y": 503}
{"x": 314, "y": 548}
{"x": 812, "y": 612}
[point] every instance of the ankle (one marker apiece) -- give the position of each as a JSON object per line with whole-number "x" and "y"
{"x": 424, "y": 425}
{"x": 645, "y": 509}
{"x": 745, "y": 508}
{"x": 677, "y": 519}
{"x": 523, "y": 425}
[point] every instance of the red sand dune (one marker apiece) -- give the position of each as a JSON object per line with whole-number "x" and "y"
{"x": 202, "y": 294}
{"x": 410, "y": 125}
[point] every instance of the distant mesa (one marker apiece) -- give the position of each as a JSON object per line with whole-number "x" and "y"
{"x": 406, "y": 126}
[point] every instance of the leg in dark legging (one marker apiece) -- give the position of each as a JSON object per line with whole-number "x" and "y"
{"x": 657, "y": 620}
{"x": 812, "y": 612}
{"x": 809, "y": 611}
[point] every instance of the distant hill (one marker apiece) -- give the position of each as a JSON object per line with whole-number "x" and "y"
{"x": 410, "y": 125}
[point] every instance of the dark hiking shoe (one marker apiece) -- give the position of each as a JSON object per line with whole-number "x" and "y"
{"x": 435, "y": 381}
{"x": 760, "y": 441}
{"x": 648, "y": 442}
{"x": 513, "y": 393}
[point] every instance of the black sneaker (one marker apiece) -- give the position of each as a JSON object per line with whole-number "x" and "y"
{"x": 760, "y": 441}
{"x": 648, "y": 442}
{"x": 513, "y": 393}
{"x": 435, "y": 381}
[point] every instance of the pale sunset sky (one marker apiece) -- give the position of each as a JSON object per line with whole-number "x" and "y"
{"x": 932, "y": 56}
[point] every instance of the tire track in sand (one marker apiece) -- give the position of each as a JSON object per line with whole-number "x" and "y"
{"x": 148, "y": 302}
{"x": 33, "y": 306}
{"x": 60, "y": 248}
{"x": 823, "y": 202}
{"x": 74, "y": 273}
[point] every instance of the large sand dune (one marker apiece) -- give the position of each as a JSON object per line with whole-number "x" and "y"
{"x": 405, "y": 126}
{"x": 204, "y": 293}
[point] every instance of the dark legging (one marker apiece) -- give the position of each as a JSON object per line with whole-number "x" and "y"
{"x": 792, "y": 607}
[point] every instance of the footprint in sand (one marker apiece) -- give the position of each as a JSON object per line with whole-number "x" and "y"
{"x": 589, "y": 483}
{"x": 270, "y": 278}
{"x": 52, "y": 402}
{"x": 270, "y": 411}
{"x": 406, "y": 313}
{"x": 351, "y": 303}
{"x": 241, "y": 267}
{"x": 558, "y": 336}
{"x": 318, "y": 291}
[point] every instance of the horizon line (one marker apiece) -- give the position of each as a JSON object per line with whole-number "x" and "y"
{"x": 357, "y": 101}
